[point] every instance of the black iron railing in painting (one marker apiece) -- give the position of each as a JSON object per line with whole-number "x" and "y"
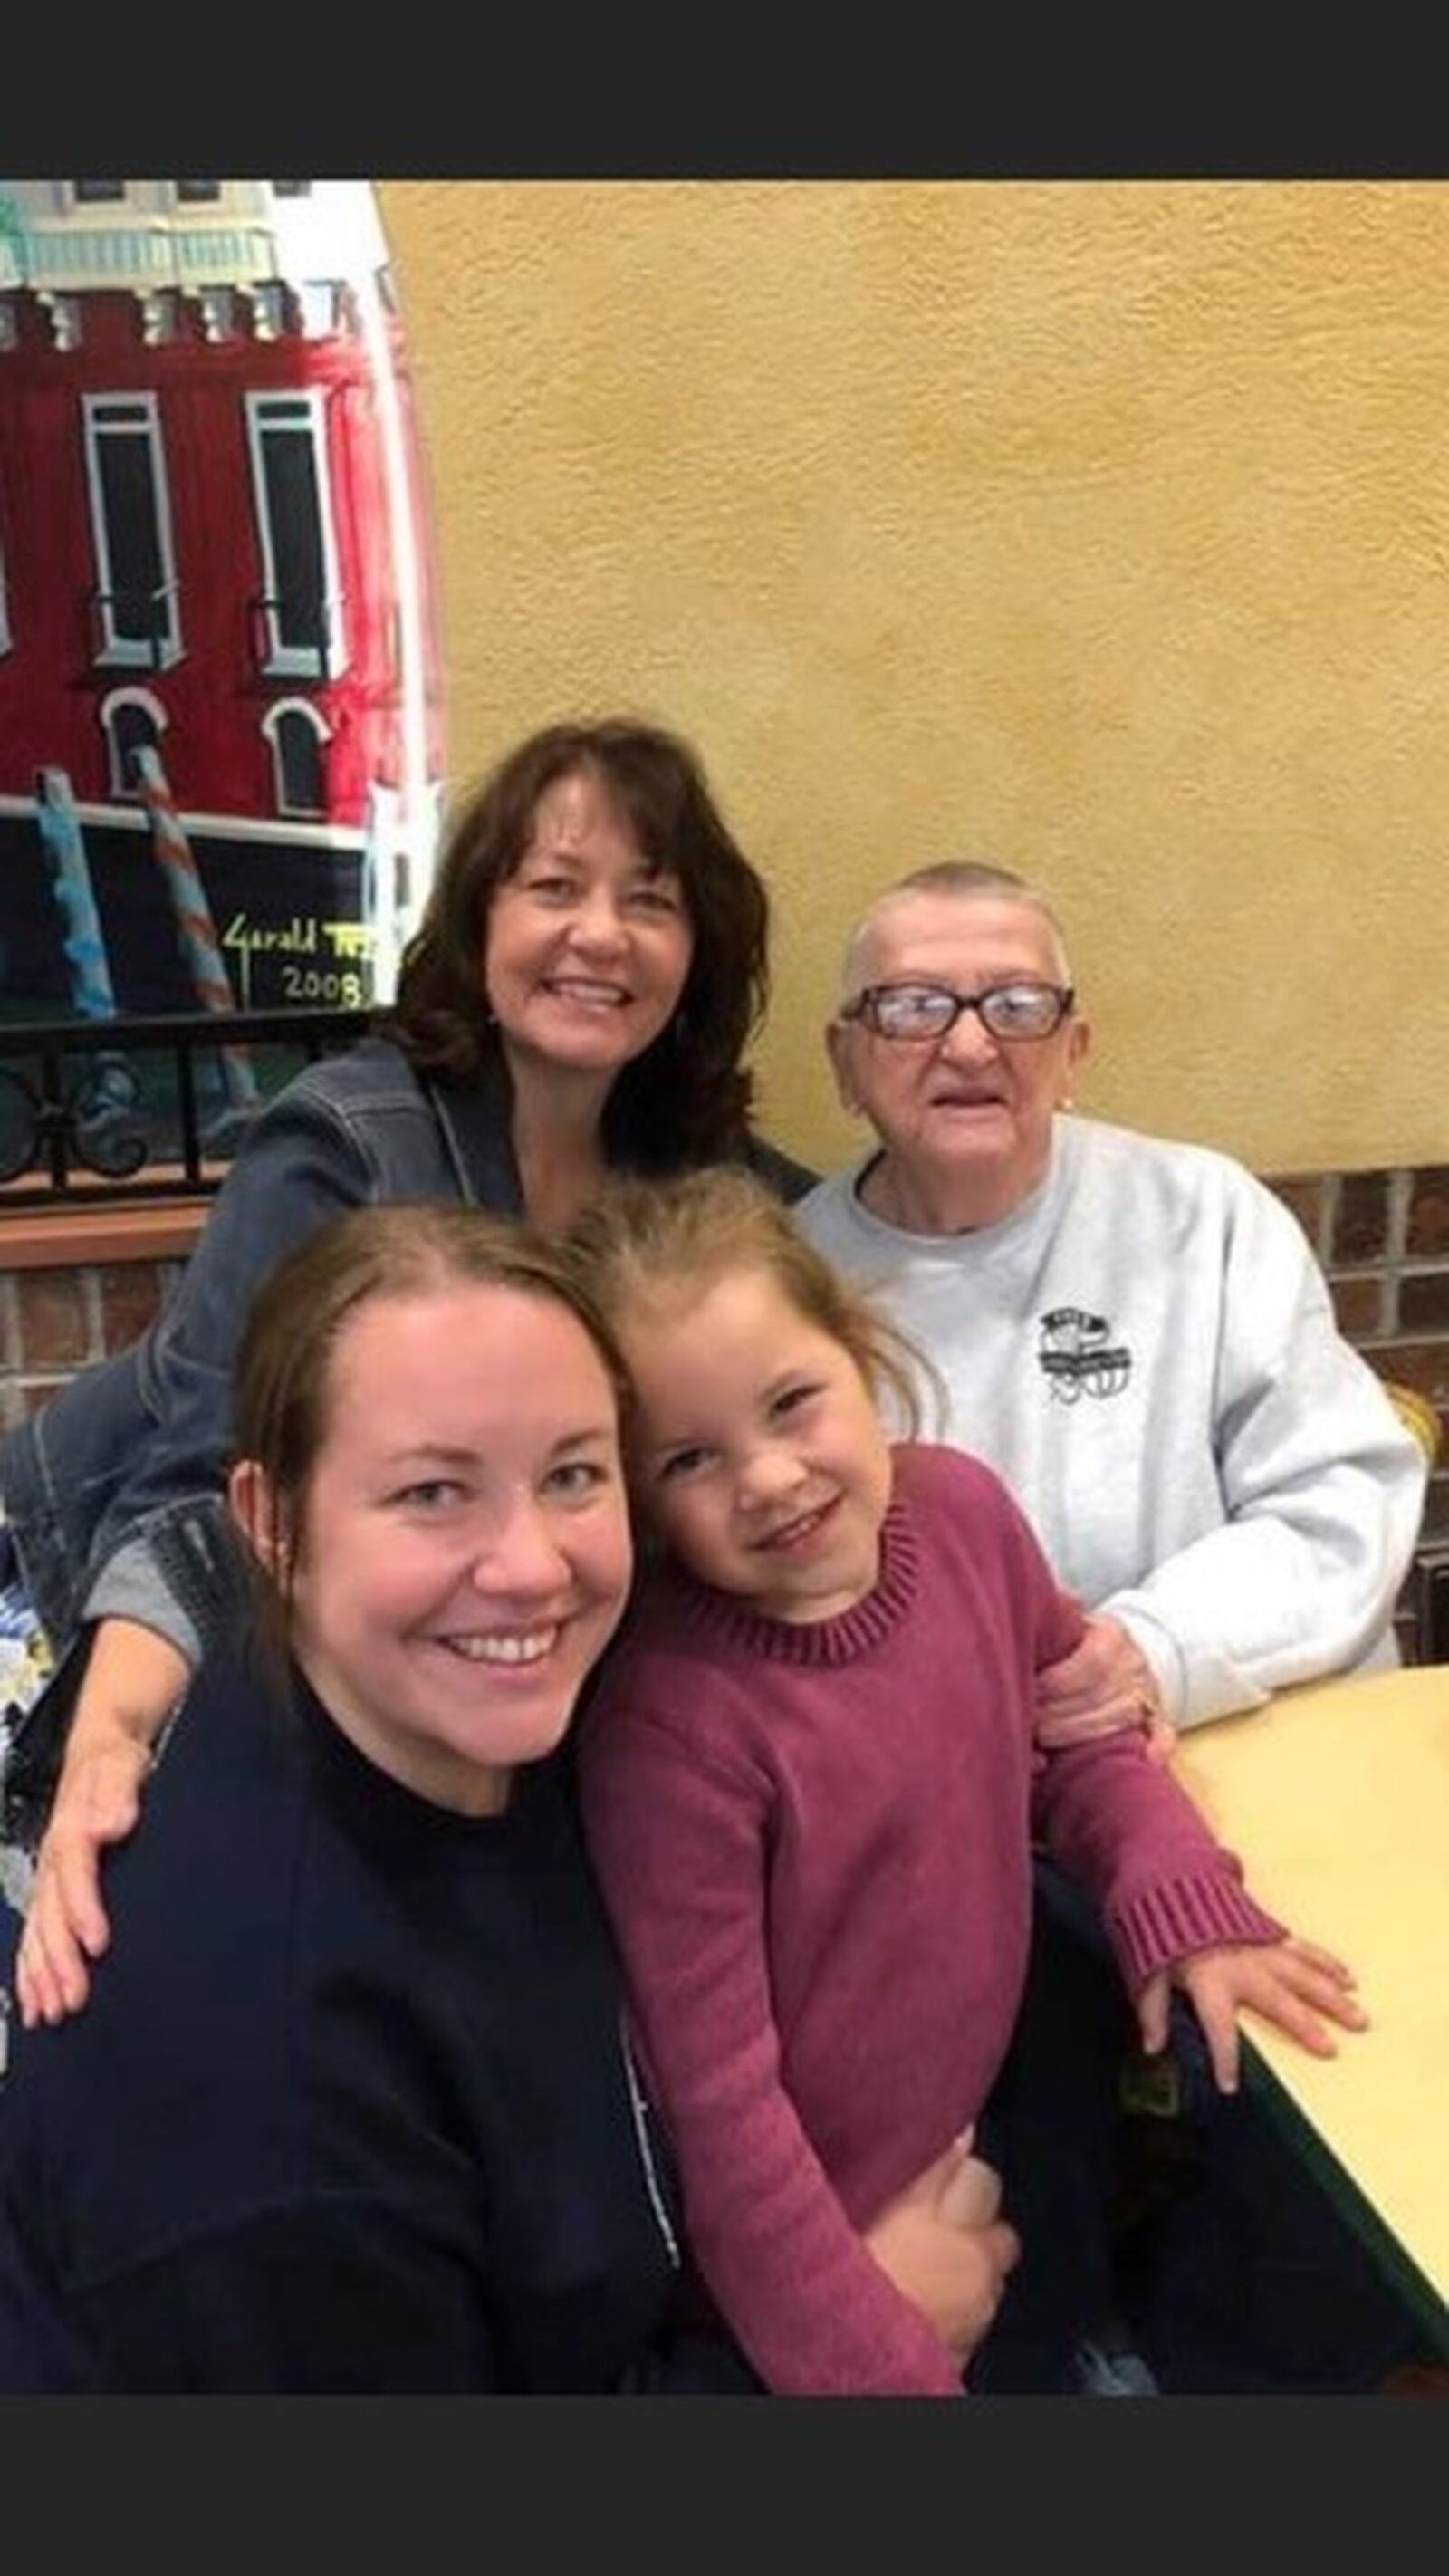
{"x": 107, "y": 1112}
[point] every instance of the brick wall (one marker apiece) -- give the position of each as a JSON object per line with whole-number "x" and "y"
{"x": 55, "y": 1321}
{"x": 1382, "y": 1237}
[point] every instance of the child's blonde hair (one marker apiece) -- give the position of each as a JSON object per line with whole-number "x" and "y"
{"x": 648, "y": 1244}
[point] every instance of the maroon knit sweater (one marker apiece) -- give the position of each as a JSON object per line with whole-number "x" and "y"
{"x": 815, "y": 1846}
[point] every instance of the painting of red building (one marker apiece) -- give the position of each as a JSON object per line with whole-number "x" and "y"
{"x": 219, "y": 646}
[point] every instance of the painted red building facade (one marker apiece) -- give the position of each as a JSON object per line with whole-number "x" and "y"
{"x": 214, "y": 544}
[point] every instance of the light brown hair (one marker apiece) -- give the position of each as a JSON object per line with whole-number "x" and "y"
{"x": 647, "y": 1243}
{"x": 283, "y": 1382}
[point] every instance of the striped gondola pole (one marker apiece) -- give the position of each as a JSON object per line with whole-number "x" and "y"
{"x": 193, "y": 918}
{"x": 91, "y": 990}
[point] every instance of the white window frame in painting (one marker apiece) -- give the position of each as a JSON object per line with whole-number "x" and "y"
{"x": 110, "y": 707}
{"x": 134, "y": 415}
{"x": 272, "y": 729}
{"x": 297, "y": 409}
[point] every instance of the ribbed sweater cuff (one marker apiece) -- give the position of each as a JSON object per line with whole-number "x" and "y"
{"x": 1169, "y": 1921}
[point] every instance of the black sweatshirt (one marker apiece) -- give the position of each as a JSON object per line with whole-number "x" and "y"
{"x": 350, "y": 2108}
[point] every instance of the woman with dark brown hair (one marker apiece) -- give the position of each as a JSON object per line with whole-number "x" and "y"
{"x": 683, "y": 1096}
{"x": 576, "y": 1001}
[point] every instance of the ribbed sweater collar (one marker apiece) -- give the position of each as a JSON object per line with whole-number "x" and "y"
{"x": 732, "y": 1625}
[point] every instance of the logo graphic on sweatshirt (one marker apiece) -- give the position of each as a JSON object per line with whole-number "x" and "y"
{"x": 1077, "y": 1356}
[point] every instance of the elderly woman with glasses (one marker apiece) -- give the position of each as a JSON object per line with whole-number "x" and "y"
{"x": 1134, "y": 1333}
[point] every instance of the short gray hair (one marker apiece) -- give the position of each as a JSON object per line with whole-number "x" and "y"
{"x": 967, "y": 878}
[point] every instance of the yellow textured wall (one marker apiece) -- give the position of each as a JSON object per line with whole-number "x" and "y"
{"x": 1098, "y": 527}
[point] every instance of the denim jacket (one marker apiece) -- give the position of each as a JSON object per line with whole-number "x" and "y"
{"x": 114, "y": 1492}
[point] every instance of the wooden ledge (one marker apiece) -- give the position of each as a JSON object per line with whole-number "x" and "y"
{"x": 73, "y": 1238}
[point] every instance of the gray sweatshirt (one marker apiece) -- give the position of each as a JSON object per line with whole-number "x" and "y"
{"x": 1146, "y": 1352}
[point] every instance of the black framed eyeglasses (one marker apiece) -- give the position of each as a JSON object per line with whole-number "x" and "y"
{"x": 1023, "y": 1009}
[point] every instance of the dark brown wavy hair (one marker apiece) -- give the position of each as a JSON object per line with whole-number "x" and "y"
{"x": 686, "y": 1099}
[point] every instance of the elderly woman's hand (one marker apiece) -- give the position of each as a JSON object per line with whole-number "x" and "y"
{"x": 1103, "y": 1686}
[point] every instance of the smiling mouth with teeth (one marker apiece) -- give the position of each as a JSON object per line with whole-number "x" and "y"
{"x": 595, "y": 996}
{"x": 794, "y": 1533}
{"x": 501, "y": 1649}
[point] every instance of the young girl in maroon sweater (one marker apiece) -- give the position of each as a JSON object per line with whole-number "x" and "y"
{"x": 811, "y": 1796}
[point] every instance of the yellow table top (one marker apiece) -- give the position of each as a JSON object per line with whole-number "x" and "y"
{"x": 1336, "y": 1799}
